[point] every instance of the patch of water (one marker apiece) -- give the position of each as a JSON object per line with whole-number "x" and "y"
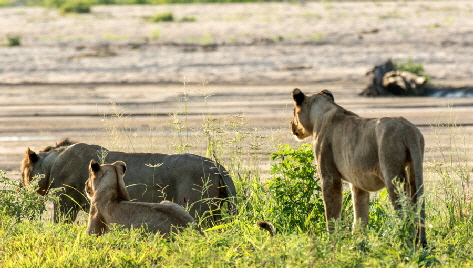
{"x": 455, "y": 94}
{"x": 27, "y": 138}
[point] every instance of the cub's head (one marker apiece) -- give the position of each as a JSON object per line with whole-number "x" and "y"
{"x": 107, "y": 178}
{"x": 302, "y": 123}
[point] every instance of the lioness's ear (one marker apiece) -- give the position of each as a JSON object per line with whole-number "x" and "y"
{"x": 32, "y": 156}
{"x": 94, "y": 166}
{"x": 298, "y": 96}
{"x": 327, "y": 92}
{"x": 122, "y": 192}
{"x": 121, "y": 165}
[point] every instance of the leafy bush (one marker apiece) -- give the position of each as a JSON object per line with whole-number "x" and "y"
{"x": 75, "y": 6}
{"x": 21, "y": 201}
{"x": 412, "y": 67}
{"x": 162, "y": 17}
{"x": 5, "y": 3}
{"x": 296, "y": 192}
{"x": 14, "y": 40}
{"x": 53, "y": 3}
{"x": 379, "y": 207}
{"x": 106, "y": 2}
{"x": 188, "y": 19}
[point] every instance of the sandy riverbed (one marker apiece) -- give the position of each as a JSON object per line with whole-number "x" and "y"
{"x": 69, "y": 69}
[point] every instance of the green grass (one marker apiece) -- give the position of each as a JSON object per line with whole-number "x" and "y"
{"x": 57, "y": 3}
{"x": 155, "y": 33}
{"x": 13, "y": 40}
{"x": 26, "y": 240}
{"x": 162, "y": 17}
{"x": 411, "y": 66}
{"x": 76, "y": 6}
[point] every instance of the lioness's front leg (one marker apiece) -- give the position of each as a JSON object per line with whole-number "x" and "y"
{"x": 361, "y": 200}
{"x": 95, "y": 224}
{"x": 333, "y": 199}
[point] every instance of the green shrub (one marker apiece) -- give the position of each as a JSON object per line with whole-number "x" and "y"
{"x": 294, "y": 189}
{"x": 162, "y": 17}
{"x": 5, "y": 3}
{"x": 75, "y": 6}
{"x": 297, "y": 195}
{"x": 14, "y": 40}
{"x": 412, "y": 67}
{"x": 379, "y": 207}
{"x": 188, "y": 19}
{"x": 155, "y": 34}
{"x": 53, "y": 3}
{"x": 21, "y": 201}
{"x": 106, "y": 2}
{"x": 136, "y": 2}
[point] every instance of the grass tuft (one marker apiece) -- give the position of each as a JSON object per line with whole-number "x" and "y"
{"x": 412, "y": 67}
{"x": 162, "y": 17}
{"x": 13, "y": 40}
{"x": 76, "y": 6}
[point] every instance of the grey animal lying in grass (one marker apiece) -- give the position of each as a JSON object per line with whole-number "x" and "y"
{"x": 189, "y": 180}
{"x": 109, "y": 203}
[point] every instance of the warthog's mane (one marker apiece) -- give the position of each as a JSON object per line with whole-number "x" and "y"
{"x": 62, "y": 143}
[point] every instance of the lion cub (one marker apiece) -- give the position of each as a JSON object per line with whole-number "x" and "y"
{"x": 109, "y": 203}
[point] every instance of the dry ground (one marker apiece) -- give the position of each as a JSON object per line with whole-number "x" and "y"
{"x": 69, "y": 69}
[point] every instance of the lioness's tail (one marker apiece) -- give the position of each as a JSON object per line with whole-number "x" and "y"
{"x": 268, "y": 227}
{"x": 416, "y": 151}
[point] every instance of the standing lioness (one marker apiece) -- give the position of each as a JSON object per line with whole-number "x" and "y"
{"x": 369, "y": 153}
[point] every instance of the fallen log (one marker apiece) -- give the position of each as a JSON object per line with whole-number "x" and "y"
{"x": 387, "y": 81}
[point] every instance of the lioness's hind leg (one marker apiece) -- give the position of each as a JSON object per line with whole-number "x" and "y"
{"x": 360, "y": 206}
{"x": 389, "y": 179}
{"x": 393, "y": 164}
{"x": 333, "y": 199}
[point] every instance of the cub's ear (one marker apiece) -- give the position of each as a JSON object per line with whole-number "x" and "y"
{"x": 122, "y": 192}
{"x": 298, "y": 96}
{"x": 32, "y": 156}
{"x": 121, "y": 166}
{"x": 94, "y": 166}
{"x": 327, "y": 92}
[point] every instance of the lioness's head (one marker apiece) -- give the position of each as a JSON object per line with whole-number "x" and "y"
{"x": 107, "y": 178}
{"x": 302, "y": 122}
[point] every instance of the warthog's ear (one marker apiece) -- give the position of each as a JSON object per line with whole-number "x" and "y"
{"x": 94, "y": 166}
{"x": 327, "y": 92}
{"x": 298, "y": 96}
{"x": 32, "y": 156}
{"x": 122, "y": 192}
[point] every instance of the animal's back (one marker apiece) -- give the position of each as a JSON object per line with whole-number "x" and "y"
{"x": 155, "y": 217}
{"x": 365, "y": 145}
{"x": 71, "y": 166}
{"x": 169, "y": 175}
{"x": 182, "y": 178}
